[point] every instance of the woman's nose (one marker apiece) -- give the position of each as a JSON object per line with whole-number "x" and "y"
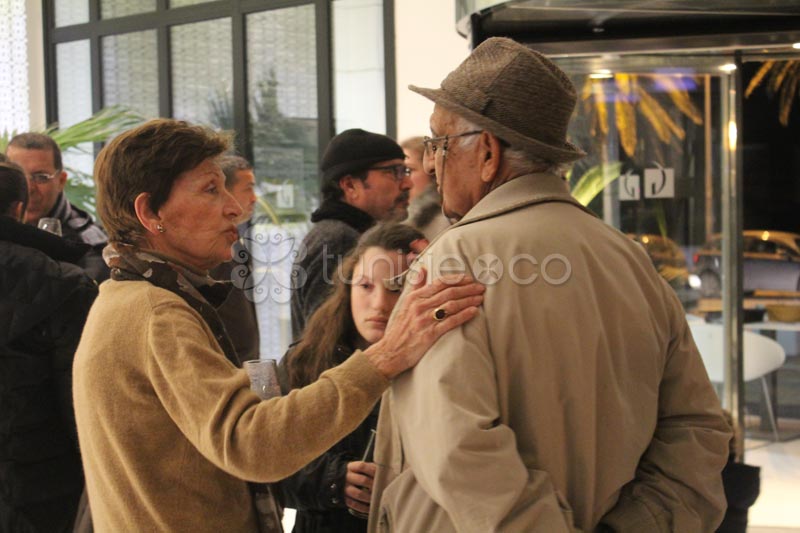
{"x": 232, "y": 207}
{"x": 384, "y": 300}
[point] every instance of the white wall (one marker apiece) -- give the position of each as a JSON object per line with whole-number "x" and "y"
{"x": 21, "y": 66}
{"x": 358, "y": 65}
{"x": 427, "y": 48}
{"x": 33, "y": 13}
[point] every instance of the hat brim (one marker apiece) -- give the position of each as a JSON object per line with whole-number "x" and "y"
{"x": 563, "y": 153}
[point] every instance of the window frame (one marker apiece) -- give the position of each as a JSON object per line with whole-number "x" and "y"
{"x": 163, "y": 18}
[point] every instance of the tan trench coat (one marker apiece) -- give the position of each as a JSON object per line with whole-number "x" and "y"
{"x": 576, "y": 396}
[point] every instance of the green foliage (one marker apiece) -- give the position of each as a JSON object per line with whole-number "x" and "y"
{"x": 80, "y": 191}
{"x": 97, "y": 128}
{"x": 595, "y": 180}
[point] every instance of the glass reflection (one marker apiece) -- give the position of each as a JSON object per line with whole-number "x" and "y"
{"x": 202, "y": 73}
{"x": 130, "y": 72}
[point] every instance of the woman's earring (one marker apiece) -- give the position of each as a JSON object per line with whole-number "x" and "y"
{"x": 160, "y": 228}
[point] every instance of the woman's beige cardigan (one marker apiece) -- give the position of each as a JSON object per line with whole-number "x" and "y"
{"x": 169, "y": 429}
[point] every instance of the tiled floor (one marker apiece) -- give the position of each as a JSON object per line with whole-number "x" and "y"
{"x": 777, "y": 509}
{"x": 288, "y": 519}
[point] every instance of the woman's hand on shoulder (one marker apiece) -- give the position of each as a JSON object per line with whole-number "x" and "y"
{"x": 425, "y": 312}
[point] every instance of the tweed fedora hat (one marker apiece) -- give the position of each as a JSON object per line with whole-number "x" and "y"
{"x": 517, "y": 94}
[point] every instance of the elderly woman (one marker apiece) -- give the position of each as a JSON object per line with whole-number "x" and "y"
{"x": 170, "y": 432}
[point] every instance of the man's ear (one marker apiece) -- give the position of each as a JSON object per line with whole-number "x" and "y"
{"x": 62, "y": 179}
{"x": 147, "y": 218}
{"x": 351, "y": 187}
{"x": 18, "y": 211}
{"x": 489, "y": 150}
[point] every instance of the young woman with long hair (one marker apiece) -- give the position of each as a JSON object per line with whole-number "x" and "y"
{"x": 334, "y": 489}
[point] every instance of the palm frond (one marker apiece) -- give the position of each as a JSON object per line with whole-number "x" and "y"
{"x": 759, "y": 77}
{"x": 600, "y": 105}
{"x": 787, "y": 94}
{"x": 680, "y": 97}
{"x": 661, "y": 219}
{"x": 783, "y": 80}
{"x": 97, "y": 128}
{"x": 778, "y": 75}
{"x": 586, "y": 90}
{"x": 625, "y": 113}
{"x": 595, "y": 180}
{"x": 658, "y": 117}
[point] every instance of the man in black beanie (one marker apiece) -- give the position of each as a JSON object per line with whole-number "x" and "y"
{"x": 364, "y": 180}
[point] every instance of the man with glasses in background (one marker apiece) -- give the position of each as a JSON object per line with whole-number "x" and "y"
{"x": 364, "y": 180}
{"x": 40, "y": 158}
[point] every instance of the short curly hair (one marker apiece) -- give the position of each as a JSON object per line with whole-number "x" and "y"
{"x": 147, "y": 159}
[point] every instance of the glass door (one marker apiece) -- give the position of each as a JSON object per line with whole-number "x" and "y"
{"x": 661, "y": 133}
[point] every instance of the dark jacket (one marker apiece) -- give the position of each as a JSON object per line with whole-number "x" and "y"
{"x": 238, "y": 311}
{"x": 337, "y": 227}
{"x": 78, "y": 226}
{"x": 44, "y": 299}
{"x": 317, "y": 490}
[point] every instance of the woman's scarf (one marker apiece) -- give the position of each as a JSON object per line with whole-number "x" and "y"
{"x": 198, "y": 289}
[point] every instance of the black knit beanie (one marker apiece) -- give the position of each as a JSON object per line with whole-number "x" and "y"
{"x": 355, "y": 150}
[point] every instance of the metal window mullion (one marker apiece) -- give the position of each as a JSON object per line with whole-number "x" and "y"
{"x": 324, "y": 43}
{"x": 164, "y": 61}
{"x": 252, "y": 6}
{"x": 239, "y": 62}
{"x": 95, "y": 59}
{"x": 732, "y": 224}
{"x": 144, "y": 21}
{"x": 389, "y": 72}
{"x": 51, "y": 68}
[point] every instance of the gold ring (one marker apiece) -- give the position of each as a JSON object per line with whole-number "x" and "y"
{"x": 439, "y": 314}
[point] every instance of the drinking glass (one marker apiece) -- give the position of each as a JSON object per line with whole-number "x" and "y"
{"x": 263, "y": 375}
{"x": 50, "y": 225}
{"x": 366, "y": 457}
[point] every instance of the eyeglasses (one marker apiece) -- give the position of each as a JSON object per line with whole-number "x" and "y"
{"x": 432, "y": 143}
{"x": 41, "y": 177}
{"x": 399, "y": 171}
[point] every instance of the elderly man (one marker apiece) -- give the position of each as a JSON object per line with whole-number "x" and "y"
{"x": 364, "y": 180}
{"x": 577, "y": 399}
{"x": 40, "y": 158}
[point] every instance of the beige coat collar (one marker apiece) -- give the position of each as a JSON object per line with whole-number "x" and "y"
{"x": 520, "y": 192}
